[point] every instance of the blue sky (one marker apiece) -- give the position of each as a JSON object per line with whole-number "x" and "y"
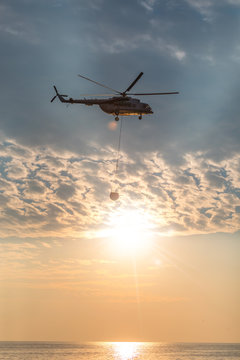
{"x": 181, "y": 165}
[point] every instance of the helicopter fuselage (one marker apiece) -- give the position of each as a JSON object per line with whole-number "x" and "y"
{"x": 126, "y": 107}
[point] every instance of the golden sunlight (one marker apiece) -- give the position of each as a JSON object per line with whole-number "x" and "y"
{"x": 130, "y": 232}
{"x": 125, "y": 350}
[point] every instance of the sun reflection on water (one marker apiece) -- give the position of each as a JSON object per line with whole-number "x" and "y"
{"x": 125, "y": 350}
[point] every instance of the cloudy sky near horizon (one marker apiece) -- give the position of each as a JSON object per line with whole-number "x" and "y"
{"x": 179, "y": 169}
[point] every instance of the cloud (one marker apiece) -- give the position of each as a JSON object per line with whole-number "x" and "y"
{"x": 197, "y": 196}
{"x": 65, "y": 191}
{"x": 16, "y": 26}
{"x": 205, "y": 7}
{"x": 35, "y": 187}
{"x": 209, "y": 9}
{"x": 148, "y": 4}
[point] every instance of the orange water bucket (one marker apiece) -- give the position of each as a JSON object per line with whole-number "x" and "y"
{"x": 114, "y": 195}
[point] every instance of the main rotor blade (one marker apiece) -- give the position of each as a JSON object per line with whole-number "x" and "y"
{"x": 134, "y": 82}
{"x": 161, "y": 93}
{"x": 95, "y": 82}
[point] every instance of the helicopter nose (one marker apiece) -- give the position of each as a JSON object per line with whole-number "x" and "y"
{"x": 148, "y": 109}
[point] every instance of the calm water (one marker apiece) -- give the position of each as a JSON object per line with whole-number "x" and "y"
{"x": 117, "y": 351}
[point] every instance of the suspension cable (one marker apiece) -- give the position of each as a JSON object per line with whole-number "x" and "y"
{"x": 114, "y": 195}
{"x": 119, "y": 146}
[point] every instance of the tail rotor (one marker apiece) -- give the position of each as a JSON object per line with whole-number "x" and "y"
{"x": 57, "y": 94}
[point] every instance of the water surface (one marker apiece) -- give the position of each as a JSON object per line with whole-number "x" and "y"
{"x": 117, "y": 351}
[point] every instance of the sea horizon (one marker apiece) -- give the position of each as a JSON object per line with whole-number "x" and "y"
{"x": 116, "y": 350}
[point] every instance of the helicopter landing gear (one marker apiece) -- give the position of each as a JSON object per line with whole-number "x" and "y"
{"x": 140, "y": 117}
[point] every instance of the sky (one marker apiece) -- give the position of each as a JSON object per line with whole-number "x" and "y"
{"x": 161, "y": 263}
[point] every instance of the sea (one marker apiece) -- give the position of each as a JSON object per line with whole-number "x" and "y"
{"x": 117, "y": 351}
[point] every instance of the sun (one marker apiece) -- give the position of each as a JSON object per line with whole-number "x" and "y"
{"x": 130, "y": 232}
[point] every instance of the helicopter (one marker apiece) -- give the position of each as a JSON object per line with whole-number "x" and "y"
{"x": 120, "y": 104}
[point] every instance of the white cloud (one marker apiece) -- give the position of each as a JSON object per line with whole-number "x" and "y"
{"x": 204, "y": 7}
{"x": 176, "y": 52}
{"x": 69, "y": 196}
{"x": 119, "y": 45}
{"x": 148, "y": 4}
{"x": 208, "y": 8}
{"x": 16, "y": 25}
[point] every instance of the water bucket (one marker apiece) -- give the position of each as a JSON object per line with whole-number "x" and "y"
{"x": 114, "y": 195}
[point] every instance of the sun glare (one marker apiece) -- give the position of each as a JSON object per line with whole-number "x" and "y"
{"x": 125, "y": 350}
{"x": 130, "y": 232}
